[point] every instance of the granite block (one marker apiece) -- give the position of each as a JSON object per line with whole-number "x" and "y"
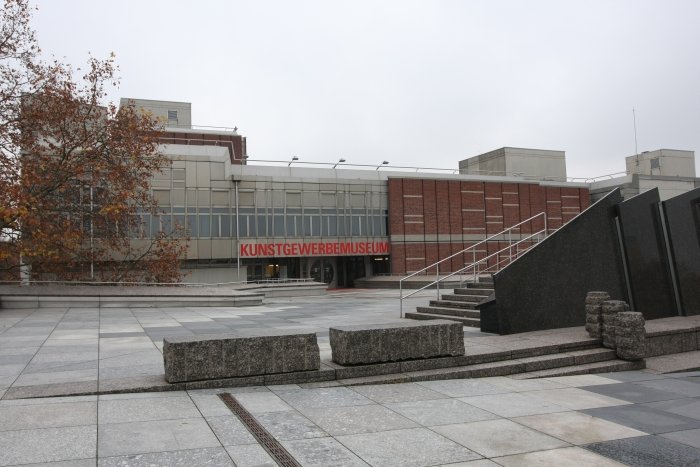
{"x": 353, "y": 345}
{"x": 219, "y": 356}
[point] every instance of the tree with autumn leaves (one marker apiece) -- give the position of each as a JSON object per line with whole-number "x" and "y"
{"x": 74, "y": 172}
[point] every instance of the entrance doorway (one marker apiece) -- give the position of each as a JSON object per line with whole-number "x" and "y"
{"x": 322, "y": 271}
{"x": 349, "y": 269}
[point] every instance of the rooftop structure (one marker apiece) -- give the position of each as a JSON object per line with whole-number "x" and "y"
{"x": 539, "y": 164}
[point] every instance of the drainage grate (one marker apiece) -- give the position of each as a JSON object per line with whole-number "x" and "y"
{"x": 271, "y": 445}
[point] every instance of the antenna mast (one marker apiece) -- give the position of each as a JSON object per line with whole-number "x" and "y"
{"x": 634, "y": 121}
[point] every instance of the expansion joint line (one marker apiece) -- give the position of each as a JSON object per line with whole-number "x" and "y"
{"x": 266, "y": 440}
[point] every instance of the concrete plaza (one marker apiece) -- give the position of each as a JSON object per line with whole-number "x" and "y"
{"x": 632, "y": 418}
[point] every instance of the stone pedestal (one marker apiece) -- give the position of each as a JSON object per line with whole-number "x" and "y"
{"x": 594, "y": 318}
{"x": 630, "y": 335}
{"x": 609, "y": 311}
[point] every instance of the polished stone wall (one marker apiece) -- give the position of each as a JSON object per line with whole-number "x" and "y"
{"x": 546, "y": 288}
{"x": 647, "y": 259}
{"x": 683, "y": 220}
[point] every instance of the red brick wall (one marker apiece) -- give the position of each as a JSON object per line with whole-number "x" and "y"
{"x": 431, "y": 219}
{"x": 235, "y": 144}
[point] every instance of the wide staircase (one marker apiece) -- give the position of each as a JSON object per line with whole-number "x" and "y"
{"x": 460, "y": 305}
{"x": 475, "y": 277}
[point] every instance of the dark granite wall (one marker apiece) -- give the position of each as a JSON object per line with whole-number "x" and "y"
{"x": 683, "y": 220}
{"x": 647, "y": 262}
{"x": 546, "y": 288}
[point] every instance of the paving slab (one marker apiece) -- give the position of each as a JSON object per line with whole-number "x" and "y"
{"x": 440, "y": 412}
{"x": 581, "y": 380}
{"x": 144, "y": 409}
{"x": 634, "y": 392}
{"x": 513, "y": 404}
{"x": 409, "y": 447}
{"x": 686, "y": 407}
{"x": 71, "y": 463}
{"x": 230, "y": 430}
{"x": 643, "y": 418}
{"x": 338, "y": 421}
{"x": 689, "y": 437}
{"x": 648, "y": 450}
{"x": 261, "y": 402}
{"x": 687, "y": 387}
{"x": 462, "y": 387}
{"x": 250, "y": 455}
{"x": 386, "y": 393}
{"x": 303, "y": 399}
{"x": 577, "y": 428}
{"x": 493, "y": 438}
{"x": 211, "y": 457}
{"x": 520, "y": 385}
{"x": 119, "y": 439}
{"x": 321, "y": 452}
{"x": 209, "y": 405}
{"x": 289, "y": 425}
{"x": 47, "y": 444}
{"x": 576, "y": 399}
{"x": 27, "y": 417}
{"x": 563, "y": 457}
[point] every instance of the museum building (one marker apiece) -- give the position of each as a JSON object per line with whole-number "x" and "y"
{"x": 337, "y": 224}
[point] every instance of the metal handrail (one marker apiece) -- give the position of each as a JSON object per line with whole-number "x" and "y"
{"x": 475, "y": 275}
{"x": 473, "y": 247}
{"x": 474, "y": 262}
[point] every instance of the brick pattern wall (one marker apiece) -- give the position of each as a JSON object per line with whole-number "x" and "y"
{"x": 235, "y": 144}
{"x": 431, "y": 219}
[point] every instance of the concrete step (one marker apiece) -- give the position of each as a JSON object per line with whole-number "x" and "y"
{"x": 471, "y": 322}
{"x": 463, "y": 298}
{"x": 453, "y": 304}
{"x": 474, "y": 291}
{"x": 577, "y": 362}
{"x": 441, "y": 310}
{"x": 584, "y": 369}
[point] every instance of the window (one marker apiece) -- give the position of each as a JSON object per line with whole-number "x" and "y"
{"x": 172, "y": 117}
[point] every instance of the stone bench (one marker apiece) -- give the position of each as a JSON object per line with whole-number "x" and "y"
{"x": 217, "y": 356}
{"x": 405, "y": 340}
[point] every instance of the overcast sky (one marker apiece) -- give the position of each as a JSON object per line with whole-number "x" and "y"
{"x": 415, "y": 83}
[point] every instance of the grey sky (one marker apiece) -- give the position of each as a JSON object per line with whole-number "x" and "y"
{"x": 416, "y": 83}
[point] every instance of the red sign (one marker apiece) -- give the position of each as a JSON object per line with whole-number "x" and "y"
{"x": 262, "y": 250}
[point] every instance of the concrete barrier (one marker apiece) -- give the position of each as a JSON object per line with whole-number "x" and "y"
{"x": 405, "y": 340}
{"x": 218, "y": 356}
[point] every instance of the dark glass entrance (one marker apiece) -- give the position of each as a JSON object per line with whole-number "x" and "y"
{"x": 349, "y": 269}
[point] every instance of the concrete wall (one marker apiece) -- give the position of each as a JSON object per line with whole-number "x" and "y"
{"x": 664, "y": 162}
{"x": 160, "y": 110}
{"x": 214, "y": 275}
{"x": 537, "y": 164}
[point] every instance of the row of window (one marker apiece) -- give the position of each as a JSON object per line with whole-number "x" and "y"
{"x": 212, "y": 224}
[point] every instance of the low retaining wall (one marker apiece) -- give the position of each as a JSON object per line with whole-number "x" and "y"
{"x": 354, "y": 345}
{"x": 220, "y": 356}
